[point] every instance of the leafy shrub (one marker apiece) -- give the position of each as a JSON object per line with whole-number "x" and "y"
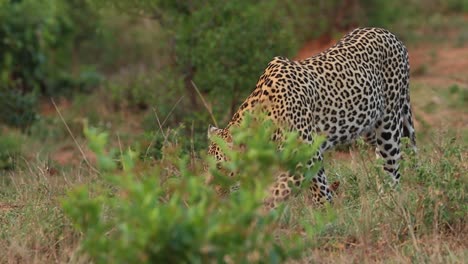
{"x": 456, "y": 5}
{"x": 223, "y": 46}
{"x": 27, "y": 27}
{"x": 385, "y": 13}
{"x": 312, "y": 19}
{"x": 441, "y": 173}
{"x": 37, "y": 41}
{"x": 17, "y": 109}
{"x": 141, "y": 90}
{"x": 169, "y": 214}
{"x": 154, "y": 141}
{"x": 10, "y": 149}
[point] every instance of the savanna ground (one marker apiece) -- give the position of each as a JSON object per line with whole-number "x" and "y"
{"x": 423, "y": 221}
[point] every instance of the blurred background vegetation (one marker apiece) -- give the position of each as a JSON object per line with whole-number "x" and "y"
{"x": 137, "y": 65}
{"x": 150, "y": 71}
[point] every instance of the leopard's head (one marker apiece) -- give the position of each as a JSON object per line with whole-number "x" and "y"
{"x": 214, "y": 150}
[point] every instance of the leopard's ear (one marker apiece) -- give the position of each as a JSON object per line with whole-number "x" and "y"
{"x": 212, "y": 130}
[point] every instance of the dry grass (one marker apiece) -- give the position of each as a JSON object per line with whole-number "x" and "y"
{"x": 33, "y": 227}
{"x": 402, "y": 226}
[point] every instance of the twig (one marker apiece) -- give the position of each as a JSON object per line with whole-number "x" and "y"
{"x": 73, "y": 137}
{"x": 172, "y": 110}
{"x": 192, "y": 145}
{"x": 160, "y": 129}
{"x": 205, "y": 104}
{"x": 121, "y": 152}
{"x": 162, "y": 124}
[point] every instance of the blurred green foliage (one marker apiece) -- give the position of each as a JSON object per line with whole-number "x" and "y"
{"x": 224, "y": 47}
{"x": 152, "y": 50}
{"x": 10, "y": 150}
{"x": 37, "y": 45}
{"x": 16, "y": 108}
{"x": 164, "y": 215}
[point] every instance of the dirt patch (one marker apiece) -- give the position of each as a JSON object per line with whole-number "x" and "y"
{"x": 8, "y": 207}
{"x": 436, "y": 68}
{"x": 46, "y": 107}
{"x": 69, "y": 155}
{"x": 439, "y": 65}
{"x": 315, "y": 46}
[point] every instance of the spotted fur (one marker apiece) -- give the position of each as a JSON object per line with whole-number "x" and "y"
{"x": 358, "y": 87}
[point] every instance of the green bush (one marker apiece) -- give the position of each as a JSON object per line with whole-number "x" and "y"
{"x": 17, "y": 109}
{"x": 312, "y": 19}
{"x": 441, "y": 174}
{"x": 430, "y": 198}
{"x": 381, "y": 13}
{"x": 223, "y": 46}
{"x": 168, "y": 214}
{"x": 10, "y": 150}
{"x": 37, "y": 44}
{"x": 141, "y": 90}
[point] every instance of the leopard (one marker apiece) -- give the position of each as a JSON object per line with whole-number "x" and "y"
{"x": 357, "y": 88}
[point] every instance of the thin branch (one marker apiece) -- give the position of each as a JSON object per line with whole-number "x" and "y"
{"x": 172, "y": 110}
{"x": 205, "y": 104}
{"x": 160, "y": 129}
{"x": 73, "y": 137}
{"x": 162, "y": 124}
{"x": 121, "y": 152}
